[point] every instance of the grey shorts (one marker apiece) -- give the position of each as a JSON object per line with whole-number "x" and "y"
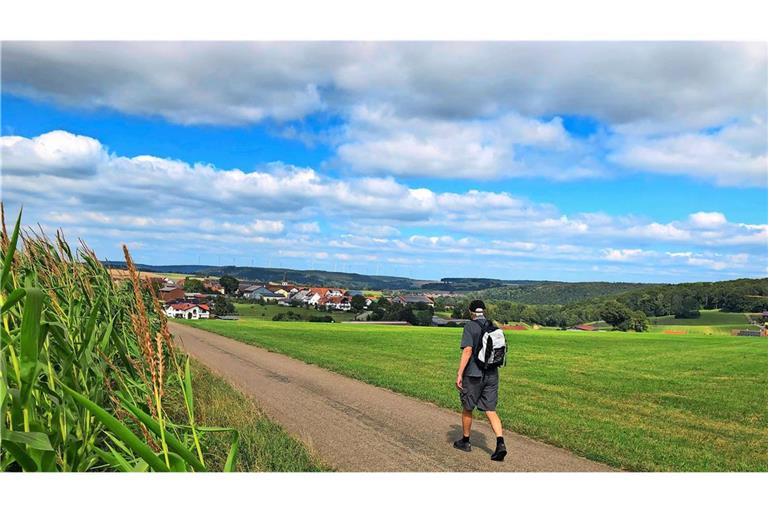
{"x": 480, "y": 392}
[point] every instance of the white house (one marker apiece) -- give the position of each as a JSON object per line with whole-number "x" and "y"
{"x": 337, "y": 303}
{"x": 187, "y": 311}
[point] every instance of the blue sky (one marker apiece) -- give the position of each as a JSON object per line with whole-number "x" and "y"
{"x": 568, "y": 161}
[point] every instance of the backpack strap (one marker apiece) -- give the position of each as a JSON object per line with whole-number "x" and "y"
{"x": 476, "y": 346}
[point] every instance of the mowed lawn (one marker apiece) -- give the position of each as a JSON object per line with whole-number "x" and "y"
{"x": 710, "y": 322}
{"x": 636, "y": 401}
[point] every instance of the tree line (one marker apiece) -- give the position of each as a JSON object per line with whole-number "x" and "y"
{"x": 628, "y": 310}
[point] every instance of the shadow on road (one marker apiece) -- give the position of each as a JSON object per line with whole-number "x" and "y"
{"x": 478, "y": 439}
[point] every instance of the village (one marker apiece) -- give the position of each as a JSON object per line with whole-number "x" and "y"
{"x": 226, "y": 298}
{"x": 180, "y": 303}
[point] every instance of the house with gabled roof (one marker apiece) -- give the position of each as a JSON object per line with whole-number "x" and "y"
{"x": 338, "y": 303}
{"x": 413, "y": 299}
{"x": 188, "y": 311}
{"x": 261, "y": 292}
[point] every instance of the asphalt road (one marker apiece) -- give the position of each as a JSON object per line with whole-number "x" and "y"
{"x": 354, "y": 426}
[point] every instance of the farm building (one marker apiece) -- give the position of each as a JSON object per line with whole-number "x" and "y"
{"x": 413, "y": 299}
{"x": 188, "y": 311}
{"x": 213, "y": 286}
{"x": 438, "y": 321}
{"x": 583, "y": 327}
{"x": 169, "y": 293}
{"x": 261, "y": 292}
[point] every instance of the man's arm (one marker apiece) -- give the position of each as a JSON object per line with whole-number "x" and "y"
{"x": 466, "y": 353}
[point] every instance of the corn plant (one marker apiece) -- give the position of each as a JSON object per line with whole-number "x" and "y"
{"x": 85, "y": 362}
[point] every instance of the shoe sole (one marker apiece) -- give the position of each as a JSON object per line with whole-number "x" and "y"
{"x": 464, "y": 449}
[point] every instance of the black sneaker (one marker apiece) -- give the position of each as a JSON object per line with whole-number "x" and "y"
{"x": 500, "y": 453}
{"x": 463, "y": 445}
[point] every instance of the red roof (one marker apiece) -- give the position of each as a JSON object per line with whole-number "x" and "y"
{"x": 185, "y": 306}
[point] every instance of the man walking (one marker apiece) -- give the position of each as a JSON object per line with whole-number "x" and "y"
{"x": 477, "y": 388}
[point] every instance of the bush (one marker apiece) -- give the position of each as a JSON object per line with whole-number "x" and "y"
{"x": 288, "y": 316}
{"x": 222, "y": 307}
{"x": 324, "y": 318}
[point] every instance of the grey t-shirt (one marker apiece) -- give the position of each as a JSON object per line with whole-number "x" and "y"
{"x": 470, "y": 338}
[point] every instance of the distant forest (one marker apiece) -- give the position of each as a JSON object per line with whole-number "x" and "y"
{"x": 558, "y": 293}
{"x": 681, "y": 300}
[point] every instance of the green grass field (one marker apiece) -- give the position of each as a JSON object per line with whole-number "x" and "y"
{"x": 266, "y": 312}
{"x": 636, "y": 401}
{"x": 711, "y": 322}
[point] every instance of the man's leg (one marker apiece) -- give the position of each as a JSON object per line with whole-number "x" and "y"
{"x": 495, "y": 422}
{"x": 466, "y": 426}
{"x": 466, "y": 422}
{"x": 501, "y": 448}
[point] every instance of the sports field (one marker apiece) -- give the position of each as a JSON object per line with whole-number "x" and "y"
{"x": 636, "y": 401}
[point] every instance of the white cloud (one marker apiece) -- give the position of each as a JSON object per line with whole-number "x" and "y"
{"x": 379, "y": 141}
{"x": 707, "y": 220}
{"x": 307, "y": 227}
{"x": 202, "y": 209}
{"x": 657, "y": 231}
{"x": 627, "y": 84}
{"x": 56, "y": 153}
{"x": 736, "y": 155}
{"x": 625, "y": 254}
{"x": 448, "y": 110}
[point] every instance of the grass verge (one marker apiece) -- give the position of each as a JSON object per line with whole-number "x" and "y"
{"x": 264, "y": 445}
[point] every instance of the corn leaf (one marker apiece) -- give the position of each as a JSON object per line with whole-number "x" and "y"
{"x": 20, "y": 456}
{"x": 14, "y": 297}
{"x": 8, "y": 260}
{"x": 35, "y": 440}
{"x": 229, "y": 466}
{"x": 120, "y": 430}
{"x": 171, "y": 440}
{"x": 30, "y": 338}
{"x": 188, "y": 396}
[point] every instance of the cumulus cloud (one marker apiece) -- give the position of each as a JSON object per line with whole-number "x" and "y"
{"x": 734, "y": 155}
{"x": 625, "y": 254}
{"x": 627, "y": 84}
{"x": 450, "y": 110}
{"x": 379, "y": 141}
{"x": 707, "y": 219}
{"x": 56, "y": 153}
{"x": 201, "y": 208}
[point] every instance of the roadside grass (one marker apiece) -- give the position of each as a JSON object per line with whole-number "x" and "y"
{"x": 266, "y": 312}
{"x": 638, "y": 401}
{"x": 264, "y": 445}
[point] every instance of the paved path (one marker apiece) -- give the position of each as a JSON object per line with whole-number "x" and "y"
{"x": 355, "y": 426}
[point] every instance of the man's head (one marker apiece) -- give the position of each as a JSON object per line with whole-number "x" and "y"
{"x": 477, "y": 308}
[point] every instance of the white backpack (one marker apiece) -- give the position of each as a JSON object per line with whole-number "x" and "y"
{"x": 492, "y": 349}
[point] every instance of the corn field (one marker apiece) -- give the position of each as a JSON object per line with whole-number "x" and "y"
{"x": 85, "y": 363}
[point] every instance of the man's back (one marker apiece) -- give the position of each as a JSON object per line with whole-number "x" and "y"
{"x": 473, "y": 330}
